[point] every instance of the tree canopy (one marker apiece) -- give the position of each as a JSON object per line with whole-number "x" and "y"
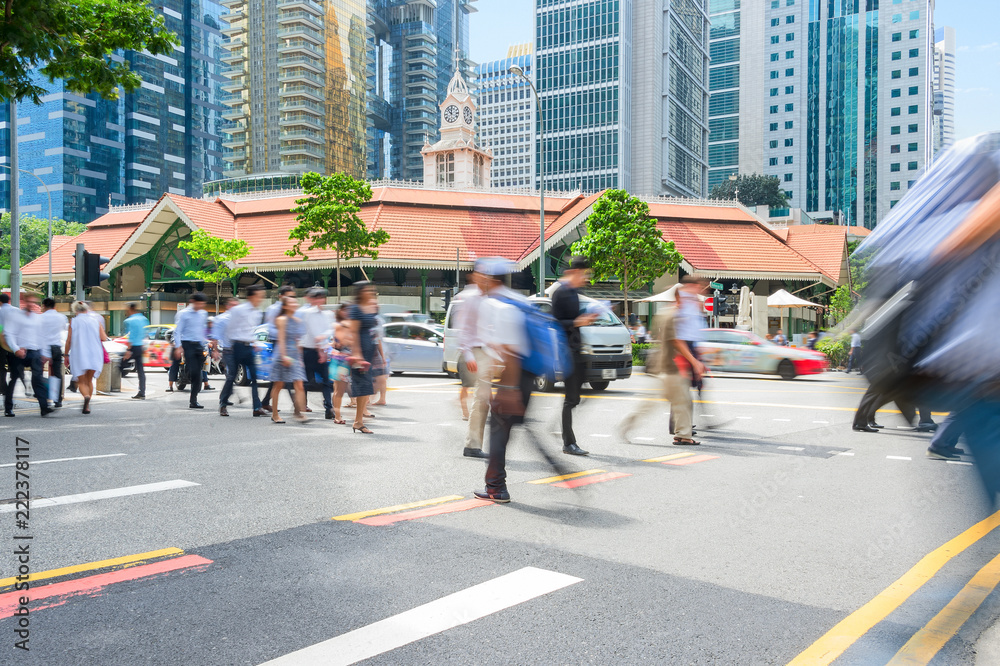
{"x": 34, "y": 236}
{"x": 220, "y": 253}
{"x": 76, "y": 41}
{"x": 622, "y": 241}
{"x": 328, "y": 219}
{"x": 754, "y": 190}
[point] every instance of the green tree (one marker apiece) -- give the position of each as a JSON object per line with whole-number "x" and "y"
{"x": 76, "y": 41}
{"x": 219, "y": 253}
{"x": 328, "y": 219}
{"x": 841, "y": 303}
{"x": 34, "y": 236}
{"x": 622, "y": 241}
{"x": 754, "y": 190}
{"x": 858, "y": 264}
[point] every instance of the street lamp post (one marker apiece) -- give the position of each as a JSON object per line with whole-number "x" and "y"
{"x": 517, "y": 71}
{"x": 733, "y": 178}
{"x": 49, "y": 195}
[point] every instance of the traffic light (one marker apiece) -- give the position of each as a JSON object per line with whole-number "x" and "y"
{"x": 92, "y": 275}
{"x": 721, "y": 305}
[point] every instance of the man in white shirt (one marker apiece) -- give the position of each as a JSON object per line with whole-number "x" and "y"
{"x": 319, "y": 325}
{"x": 190, "y": 339}
{"x": 854, "y": 360}
{"x": 23, "y": 335}
{"x": 6, "y": 359}
{"x": 475, "y": 365}
{"x": 502, "y": 331}
{"x": 239, "y": 332}
{"x": 53, "y": 326}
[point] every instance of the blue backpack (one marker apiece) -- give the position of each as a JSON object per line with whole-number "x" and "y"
{"x": 549, "y": 356}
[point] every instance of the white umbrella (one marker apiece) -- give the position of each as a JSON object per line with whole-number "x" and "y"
{"x": 744, "y": 317}
{"x": 782, "y": 299}
{"x": 668, "y": 296}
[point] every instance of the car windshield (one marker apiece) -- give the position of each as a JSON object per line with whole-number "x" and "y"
{"x": 607, "y": 319}
{"x": 759, "y": 340}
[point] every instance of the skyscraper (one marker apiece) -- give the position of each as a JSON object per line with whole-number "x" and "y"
{"x": 164, "y": 137}
{"x": 506, "y": 118}
{"x": 944, "y": 88}
{"x": 297, "y": 86}
{"x": 414, "y": 47}
{"x": 624, "y": 94}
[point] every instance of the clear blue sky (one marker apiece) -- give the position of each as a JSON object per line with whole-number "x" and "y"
{"x": 500, "y": 23}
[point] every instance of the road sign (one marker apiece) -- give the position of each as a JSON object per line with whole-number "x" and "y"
{"x": 715, "y": 285}
{"x": 709, "y": 304}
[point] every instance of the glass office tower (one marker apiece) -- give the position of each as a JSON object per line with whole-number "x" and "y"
{"x": 507, "y": 118}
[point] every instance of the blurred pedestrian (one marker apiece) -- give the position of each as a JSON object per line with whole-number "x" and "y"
{"x": 811, "y": 339}
{"x": 53, "y": 326}
{"x": 690, "y": 319}
{"x": 854, "y": 358}
{"x": 270, "y": 315}
{"x": 780, "y": 339}
{"x": 567, "y": 311}
{"x": 243, "y": 320}
{"x": 380, "y": 370}
{"x": 318, "y": 329}
{"x": 190, "y": 339}
{"x": 475, "y": 363}
{"x": 6, "y": 360}
{"x": 944, "y": 443}
{"x": 24, "y": 337}
{"x": 135, "y": 329}
{"x": 287, "y": 367}
{"x": 85, "y": 352}
{"x": 222, "y": 349}
{"x": 361, "y": 317}
{"x": 340, "y": 367}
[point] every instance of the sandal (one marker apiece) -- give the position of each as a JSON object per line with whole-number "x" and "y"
{"x": 362, "y": 429}
{"x": 685, "y": 441}
{"x": 276, "y": 421}
{"x": 340, "y": 422}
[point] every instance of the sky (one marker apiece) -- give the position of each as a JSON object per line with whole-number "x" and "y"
{"x": 500, "y": 23}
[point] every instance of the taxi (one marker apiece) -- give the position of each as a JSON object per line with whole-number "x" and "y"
{"x": 157, "y": 348}
{"x": 731, "y": 350}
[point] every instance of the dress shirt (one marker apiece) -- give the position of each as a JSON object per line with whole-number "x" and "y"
{"x": 135, "y": 328}
{"x": 220, "y": 330}
{"x": 190, "y": 326}
{"x": 51, "y": 327}
{"x": 243, "y": 319}
{"x": 855, "y": 339}
{"x": 21, "y": 330}
{"x": 689, "y": 320}
{"x": 318, "y": 324}
{"x": 270, "y": 314}
{"x": 502, "y": 324}
{"x": 466, "y": 320}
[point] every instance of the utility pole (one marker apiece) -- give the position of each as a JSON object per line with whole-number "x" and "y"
{"x": 15, "y": 224}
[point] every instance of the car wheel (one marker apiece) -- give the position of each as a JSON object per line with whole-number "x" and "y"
{"x": 599, "y": 386}
{"x": 786, "y": 369}
{"x": 241, "y": 376}
{"x": 543, "y": 385}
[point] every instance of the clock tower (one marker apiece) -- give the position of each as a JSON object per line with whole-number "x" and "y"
{"x": 455, "y": 160}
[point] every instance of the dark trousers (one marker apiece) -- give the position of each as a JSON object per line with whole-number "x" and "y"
{"x": 140, "y": 368}
{"x": 854, "y": 360}
{"x": 872, "y": 400}
{"x": 175, "y": 366}
{"x": 194, "y": 359}
{"x": 32, "y": 360}
{"x": 319, "y": 373}
{"x": 5, "y": 361}
{"x": 241, "y": 353}
{"x": 573, "y": 384}
{"x": 56, "y": 369}
{"x": 267, "y": 394}
{"x": 949, "y": 432}
{"x": 500, "y": 427}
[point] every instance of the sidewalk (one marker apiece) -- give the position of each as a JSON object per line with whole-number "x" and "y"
{"x": 988, "y": 646}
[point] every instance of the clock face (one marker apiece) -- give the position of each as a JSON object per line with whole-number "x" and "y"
{"x": 451, "y": 114}
{"x": 467, "y": 115}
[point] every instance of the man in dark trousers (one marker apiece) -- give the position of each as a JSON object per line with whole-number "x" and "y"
{"x": 191, "y": 339}
{"x": 566, "y": 310}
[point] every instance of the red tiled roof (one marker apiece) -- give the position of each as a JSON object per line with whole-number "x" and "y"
{"x": 117, "y": 219}
{"x": 207, "y": 215}
{"x": 823, "y": 244}
{"x": 679, "y": 211}
{"x": 103, "y": 239}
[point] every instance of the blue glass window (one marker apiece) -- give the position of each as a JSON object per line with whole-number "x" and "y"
{"x": 789, "y": 107}
{"x": 894, "y": 185}
{"x": 915, "y": 15}
{"x": 897, "y": 36}
{"x": 774, "y": 108}
{"x": 788, "y": 159}
{"x": 911, "y": 129}
{"x": 789, "y": 55}
{"x": 896, "y": 73}
{"x": 894, "y": 148}
{"x": 790, "y": 19}
{"x": 911, "y": 147}
{"x": 789, "y": 143}
{"x": 774, "y": 74}
{"x": 913, "y": 90}
{"x": 914, "y": 34}
{"x": 790, "y": 71}
{"x": 914, "y": 53}
{"x": 911, "y": 166}
{"x": 789, "y": 124}
{"x": 774, "y": 92}
{"x": 894, "y": 129}
{"x": 789, "y": 90}
{"x": 897, "y": 18}
{"x": 788, "y": 177}
{"x": 894, "y": 167}
{"x": 897, "y": 55}
{"x": 775, "y": 39}
{"x": 772, "y": 161}
{"x": 775, "y": 21}
{"x": 912, "y": 108}
{"x": 914, "y": 71}
{"x": 893, "y": 203}
{"x": 790, "y": 37}
{"x": 775, "y": 4}
{"x": 896, "y": 92}
{"x": 774, "y": 57}
{"x": 773, "y": 143}
{"x": 894, "y": 111}
{"x": 773, "y": 127}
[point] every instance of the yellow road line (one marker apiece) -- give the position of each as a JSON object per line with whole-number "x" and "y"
{"x": 927, "y": 642}
{"x": 398, "y": 507}
{"x": 832, "y": 644}
{"x": 550, "y": 479}
{"x": 126, "y": 561}
{"x": 672, "y": 456}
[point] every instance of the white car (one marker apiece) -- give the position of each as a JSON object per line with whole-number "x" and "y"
{"x": 414, "y": 347}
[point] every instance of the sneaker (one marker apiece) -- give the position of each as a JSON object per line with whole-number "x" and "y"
{"x": 474, "y": 453}
{"x": 139, "y": 396}
{"x": 943, "y": 454}
{"x": 926, "y": 427}
{"x": 498, "y": 496}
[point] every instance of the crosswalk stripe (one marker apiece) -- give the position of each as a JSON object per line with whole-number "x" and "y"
{"x": 42, "y": 462}
{"x": 587, "y": 480}
{"x": 690, "y": 461}
{"x": 127, "y": 560}
{"x": 399, "y": 507}
{"x": 448, "y": 507}
{"x": 429, "y": 619}
{"x": 102, "y": 494}
{"x": 672, "y": 456}
{"x": 563, "y": 477}
{"x": 898, "y": 458}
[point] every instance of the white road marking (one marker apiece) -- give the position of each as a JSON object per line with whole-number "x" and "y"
{"x": 709, "y": 415}
{"x": 597, "y": 434}
{"x": 957, "y": 462}
{"x": 744, "y": 417}
{"x": 42, "y": 462}
{"x": 781, "y": 419}
{"x": 823, "y": 422}
{"x": 643, "y": 439}
{"x": 444, "y": 424}
{"x": 432, "y": 618}
{"x": 102, "y": 494}
{"x": 842, "y": 453}
{"x": 898, "y": 458}
{"x": 408, "y": 423}
{"x": 792, "y": 448}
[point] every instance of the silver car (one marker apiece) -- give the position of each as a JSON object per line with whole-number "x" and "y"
{"x": 414, "y": 347}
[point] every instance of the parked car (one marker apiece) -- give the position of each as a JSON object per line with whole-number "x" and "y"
{"x": 607, "y": 347}
{"x": 414, "y": 347}
{"x": 157, "y": 348}
{"x": 731, "y": 350}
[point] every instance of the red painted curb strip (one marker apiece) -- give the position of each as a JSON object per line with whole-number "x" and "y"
{"x": 587, "y": 480}
{"x": 690, "y": 461}
{"x": 450, "y": 507}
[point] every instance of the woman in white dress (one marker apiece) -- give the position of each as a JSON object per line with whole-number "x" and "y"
{"x": 84, "y": 351}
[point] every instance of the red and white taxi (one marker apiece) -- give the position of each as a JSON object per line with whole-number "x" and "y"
{"x": 730, "y": 350}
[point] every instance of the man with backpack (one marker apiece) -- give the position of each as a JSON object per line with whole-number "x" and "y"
{"x": 566, "y": 310}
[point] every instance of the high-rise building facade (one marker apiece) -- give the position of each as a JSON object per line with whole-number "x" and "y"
{"x": 296, "y": 88}
{"x": 624, "y": 88}
{"x": 944, "y": 88}
{"x": 164, "y": 137}
{"x": 507, "y": 118}
{"x": 414, "y": 48}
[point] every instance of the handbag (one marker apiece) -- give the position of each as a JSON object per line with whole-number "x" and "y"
{"x": 107, "y": 358}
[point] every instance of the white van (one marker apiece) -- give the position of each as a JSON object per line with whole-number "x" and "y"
{"x": 607, "y": 347}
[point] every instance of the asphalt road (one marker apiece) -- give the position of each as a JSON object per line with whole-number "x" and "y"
{"x": 746, "y": 550}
